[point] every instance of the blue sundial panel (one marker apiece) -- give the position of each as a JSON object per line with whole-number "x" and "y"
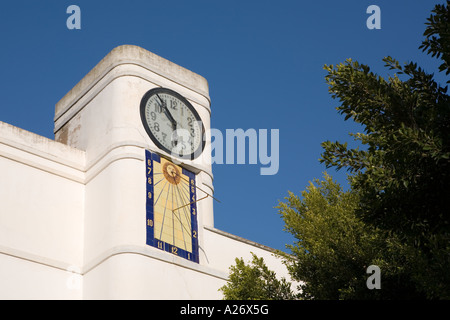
{"x": 171, "y": 208}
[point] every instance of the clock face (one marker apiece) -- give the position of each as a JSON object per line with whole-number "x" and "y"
{"x": 171, "y": 208}
{"x": 172, "y": 123}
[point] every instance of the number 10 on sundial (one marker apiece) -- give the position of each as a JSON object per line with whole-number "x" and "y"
{"x": 171, "y": 208}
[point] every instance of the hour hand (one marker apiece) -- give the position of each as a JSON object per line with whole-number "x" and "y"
{"x": 167, "y": 113}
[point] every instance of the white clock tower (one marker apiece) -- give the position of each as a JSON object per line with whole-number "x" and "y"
{"x": 106, "y": 214}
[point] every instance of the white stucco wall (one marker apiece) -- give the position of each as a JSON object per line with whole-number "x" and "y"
{"x": 72, "y": 211}
{"x": 41, "y": 214}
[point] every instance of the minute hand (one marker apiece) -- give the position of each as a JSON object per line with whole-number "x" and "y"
{"x": 167, "y": 113}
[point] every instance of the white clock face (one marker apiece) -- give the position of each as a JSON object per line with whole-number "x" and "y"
{"x": 172, "y": 123}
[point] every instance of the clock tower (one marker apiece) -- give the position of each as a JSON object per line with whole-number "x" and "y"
{"x": 143, "y": 122}
{"x": 120, "y": 204}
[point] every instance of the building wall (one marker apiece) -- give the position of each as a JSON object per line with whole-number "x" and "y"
{"x": 65, "y": 234}
{"x": 73, "y": 211}
{"x": 41, "y": 214}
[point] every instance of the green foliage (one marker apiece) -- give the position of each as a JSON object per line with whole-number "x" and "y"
{"x": 437, "y": 35}
{"x": 397, "y": 213}
{"x": 334, "y": 247}
{"x": 402, "y": 175}
{"x": 255, "y": 282}
{"x": 407, "y": 136}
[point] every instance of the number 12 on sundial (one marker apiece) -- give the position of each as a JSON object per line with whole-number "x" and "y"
{"x": 171, "y": 208}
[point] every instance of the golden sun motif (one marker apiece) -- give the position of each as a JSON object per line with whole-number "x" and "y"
{"x": 171, "y": 173}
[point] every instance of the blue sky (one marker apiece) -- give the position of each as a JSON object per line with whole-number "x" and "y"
{"x": 263, "y": 61}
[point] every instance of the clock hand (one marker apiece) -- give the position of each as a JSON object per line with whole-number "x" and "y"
{"x": 167, "y": 113}
{"x": 171, "y": 119}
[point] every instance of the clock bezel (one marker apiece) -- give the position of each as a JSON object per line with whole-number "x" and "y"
{"x": 143, "y": 105}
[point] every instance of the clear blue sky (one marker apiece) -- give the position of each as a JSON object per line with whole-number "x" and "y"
{"x": 263, "y": 61}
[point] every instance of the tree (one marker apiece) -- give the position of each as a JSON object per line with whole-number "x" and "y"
{"x": 403, "y": 174}
{"x": 396, "y": 214}
{"x": 255, "y": 282}
{"x": 437, "y": 34}
{"x": 331, "y": 254}
{"x": 334, "y": 247}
